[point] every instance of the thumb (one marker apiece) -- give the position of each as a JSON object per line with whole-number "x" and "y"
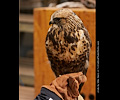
{"x": 81, "y": 79}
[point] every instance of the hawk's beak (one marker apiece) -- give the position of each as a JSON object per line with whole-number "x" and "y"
{"x": 51, "y": 22}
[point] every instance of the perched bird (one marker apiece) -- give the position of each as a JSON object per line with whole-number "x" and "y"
{"x": 67, "y": 43}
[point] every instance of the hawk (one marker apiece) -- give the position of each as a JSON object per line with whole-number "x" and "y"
{"x": 67, "y": 43}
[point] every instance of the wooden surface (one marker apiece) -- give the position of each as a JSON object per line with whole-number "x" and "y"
{"x": 42, "y": 70}
{"x": 26, "y": 93}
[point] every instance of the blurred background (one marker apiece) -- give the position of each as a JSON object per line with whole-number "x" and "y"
{"x": 26, "y": 30}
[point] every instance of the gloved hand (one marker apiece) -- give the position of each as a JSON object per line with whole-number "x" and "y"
{"x": 66, "y": 86}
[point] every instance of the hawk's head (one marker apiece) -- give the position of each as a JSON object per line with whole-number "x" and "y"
{"x": 64, "y": 17}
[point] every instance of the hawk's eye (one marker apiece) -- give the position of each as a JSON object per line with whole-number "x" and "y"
{"x": 56, "y": 19}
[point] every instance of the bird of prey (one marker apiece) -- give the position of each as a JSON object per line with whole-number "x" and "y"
{"x": 67, "y": 43}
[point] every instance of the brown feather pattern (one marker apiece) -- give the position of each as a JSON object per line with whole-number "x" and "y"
{"x": 67, "y": 43}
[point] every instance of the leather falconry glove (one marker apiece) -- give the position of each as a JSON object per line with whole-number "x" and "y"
{"x": 66, "y": 86}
